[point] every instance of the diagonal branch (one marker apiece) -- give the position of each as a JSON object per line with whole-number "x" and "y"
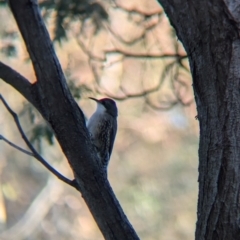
{"x": 33, "y": 152}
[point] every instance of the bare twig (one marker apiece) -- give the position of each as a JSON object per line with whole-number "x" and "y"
{"x": 88, "y": 53}
{"x": 147, "y": 55}
{"x": 15, "y": 146}
{"x": 33, "y": 152}
{"x": 163, "y": 106}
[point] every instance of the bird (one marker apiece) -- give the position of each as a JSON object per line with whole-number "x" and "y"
{"x": 102, "y": 126}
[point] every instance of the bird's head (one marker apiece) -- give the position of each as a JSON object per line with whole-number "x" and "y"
{"x": 108, "y": 105}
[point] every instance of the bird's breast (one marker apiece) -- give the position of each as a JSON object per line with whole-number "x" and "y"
{"x": 93, "y": 123}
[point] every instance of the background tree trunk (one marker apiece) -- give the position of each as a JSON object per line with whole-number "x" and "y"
{"x": 209, "y": 31}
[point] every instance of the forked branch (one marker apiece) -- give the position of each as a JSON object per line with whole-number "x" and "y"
{"x": 33, "y": 152}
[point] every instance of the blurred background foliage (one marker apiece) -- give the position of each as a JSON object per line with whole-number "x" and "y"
{"x": 126, "y": 50}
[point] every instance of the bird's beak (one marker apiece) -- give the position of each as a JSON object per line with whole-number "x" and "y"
{"x": 94, "y": 99}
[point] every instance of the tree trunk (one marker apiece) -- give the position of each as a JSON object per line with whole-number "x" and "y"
{"x": 51, "y": 96}
{"x": 209, "y": 31}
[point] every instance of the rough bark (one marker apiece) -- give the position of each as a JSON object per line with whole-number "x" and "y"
{"x": 51, "y": 96}
{"x": 209, "y": 31}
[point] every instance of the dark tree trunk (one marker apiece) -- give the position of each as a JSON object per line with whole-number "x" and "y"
{"x": 51, "y": 96}
{"x": 209, "y": 31}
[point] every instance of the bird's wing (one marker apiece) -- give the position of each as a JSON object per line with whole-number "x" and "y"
{"x": 112, "y": 136}
{"x": 106, "y": 140}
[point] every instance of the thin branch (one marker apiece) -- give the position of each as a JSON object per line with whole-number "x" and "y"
{"x": 88, "y": 53}
{"x": 16, "y": 80}
{"x": 15, "y": 146}
{"x": 126, "y": 96}
{"x": 179, "y": 57}
{"x": 117, "y": 4}
{"x": 33, "y": 152}
{"x": 147, "y": 55}
{"x": 121, "y": 39}
{"x": 163, "y": 106}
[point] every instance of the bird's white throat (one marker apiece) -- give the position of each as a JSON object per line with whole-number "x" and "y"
{"x": 93, "y": 120}
{"x": 100, "y": 108}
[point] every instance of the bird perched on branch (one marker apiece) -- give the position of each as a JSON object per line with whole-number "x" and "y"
{"x": 102, "y": 127}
